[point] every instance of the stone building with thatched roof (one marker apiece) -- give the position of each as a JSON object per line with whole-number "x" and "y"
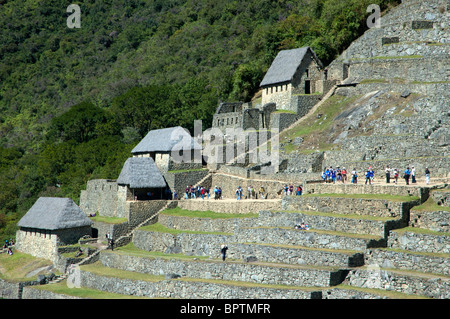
{"x": 49, "y": 223}
{"x": 142, "y": 179}
{"x": 171, "y": 148}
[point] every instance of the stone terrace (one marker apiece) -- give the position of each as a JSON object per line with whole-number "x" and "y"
{"x": 268, "y": 258}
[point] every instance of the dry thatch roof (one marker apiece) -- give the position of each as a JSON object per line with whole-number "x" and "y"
{"x": 52, "y": 213}
{"x": 141, "y": 172}
{"x": 285, "y": 65}
{"x": 166, "y": 140}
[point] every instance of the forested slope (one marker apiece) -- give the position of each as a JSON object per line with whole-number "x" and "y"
{"x": 73, "y": 102}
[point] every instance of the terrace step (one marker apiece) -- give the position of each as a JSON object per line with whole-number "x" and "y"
{"x": 313, "y": 238}
{"x": 162, "y": 286}
{"x": 230, "y": 270}
{"x": 408, "y": 282}
{"x": 365, "y": 225}
{"x": 406, "y": 260}
{"x": 209, "y": 245}
{"x": 393, "y": 206}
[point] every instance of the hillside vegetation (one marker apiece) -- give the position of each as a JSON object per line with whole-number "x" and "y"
{"x": 74, "y": 102}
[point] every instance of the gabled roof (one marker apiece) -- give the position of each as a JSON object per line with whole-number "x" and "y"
{"x": 166, "y": 140}
{"x": 285, "y": 65}
{"x": 141, "y": 172}
{"x": 52, "y": 213}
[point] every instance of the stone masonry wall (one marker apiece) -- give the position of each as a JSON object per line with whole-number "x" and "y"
{"x": 292, "y": 276}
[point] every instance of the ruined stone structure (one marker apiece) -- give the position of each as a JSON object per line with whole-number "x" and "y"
{"x": 374, "y": 239}
{"x": 293, "y": 84}
{"x": 50, "y": 223}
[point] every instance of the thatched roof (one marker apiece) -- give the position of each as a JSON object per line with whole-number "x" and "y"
{"x": 141, "y": 172}
{"x": 285, "y": 65}
{"x": 52, "y": 213}
{"x": 166, "y": 140}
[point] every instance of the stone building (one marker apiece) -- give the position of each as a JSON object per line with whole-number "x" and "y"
{"x": 293, "y": 84}
{"x": 141, "y": 179}
{"x": 51, "y": 222}
{"x": 171, "y": 148}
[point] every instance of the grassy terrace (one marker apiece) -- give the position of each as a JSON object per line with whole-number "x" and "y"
{"x": 348, "y": 216}
{"x": 395, "y": 198}
{"x": 421, "y": 231}
{"x": 204, "y": 214}
{"x": 157, "y": 227}
{"x": 322, "y": 231}
{"x": 430, "y": 206}
{"x": 16, "y": 267}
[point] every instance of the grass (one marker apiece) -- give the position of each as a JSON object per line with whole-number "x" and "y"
{"x": 132, "y": 250}
{"x": 430, "y": 206}
{"x": 17, "y": 266}
{"x": 62, "y": 288}
{"x": 314, "y": 129}
{"x": 204, "y": 214}
{"x": 108, "y": 220}
{"x": 157, "y": 227}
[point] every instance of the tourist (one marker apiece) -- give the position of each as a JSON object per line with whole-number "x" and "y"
{"x": 187, "y": 191}
{"x": 216, "y": 193}
{"x": 427, "y": 175}
{"x": 219, "y": 192}
{"x": 299, "y": 190}
{"x": 344, "y": 175}
{"x": 339, "y": 175}
{"x": 388, "y": 174}
{"x": 262, "y": 192}
{"x": 413, "y": 175}
{"x": 238, "y": 192}
{"x": 369, "y": 176}
{"x": 202, "y": 192}
{"x": 223, "y": 251}
{"x": 354, "y": 176}
{"x": 407, "y": 175}
{"x": 333, "y": 175}
{"x": 395, "y": 176}
{"x": 193, "y": 192}
{"x": 175, "y": 194}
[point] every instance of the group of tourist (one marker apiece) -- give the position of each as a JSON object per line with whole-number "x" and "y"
{"x": 289, "y": 190}
{"x": 198, "y": 191}
{"x": 330, "y": 175}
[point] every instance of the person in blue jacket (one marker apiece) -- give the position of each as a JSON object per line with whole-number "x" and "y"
{"x": 407, "y": 175}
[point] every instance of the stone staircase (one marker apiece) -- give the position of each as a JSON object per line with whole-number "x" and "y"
{"x": 355, "y": 243}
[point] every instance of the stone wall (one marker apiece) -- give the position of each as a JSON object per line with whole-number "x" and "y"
{"x": 185, "y": 289}
{"x": 100, "y": 197}
{"x": 38, "y": 244}
{"x": 229, "y": 184}
{"x": 413, "y": 241}
{"x": 347, "y": 188}
{"x": 237, "y": 207}
{"x": 433, "y": 220}
{"x": 209, "y": 245}
{"x": 179, "y": 180}
{"x": 139, "y": 211}
{"x": 254, "y": 273}
{"x": 390, "y": 280}
{"x": 349, "y": 206}
{"x": 282, "y": 120}
{"x": 391, "y": 259}
{"x": 327, "y": 222}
